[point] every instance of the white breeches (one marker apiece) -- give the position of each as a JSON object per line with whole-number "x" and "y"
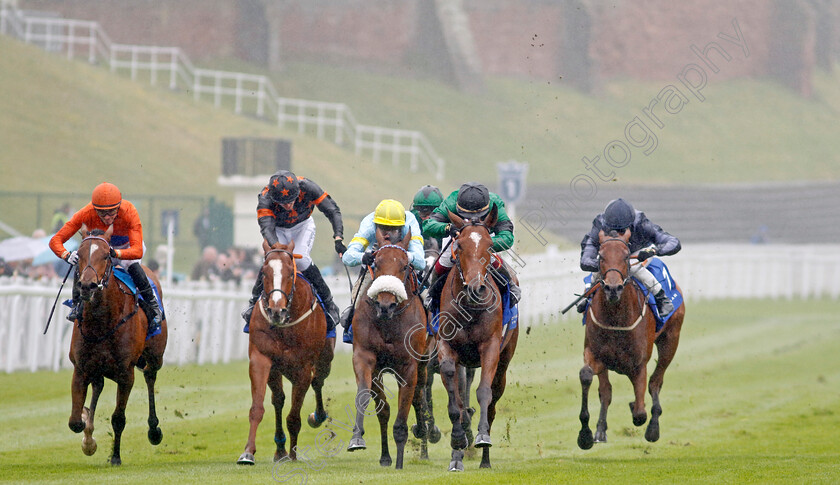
{"x": 303, "y": 234}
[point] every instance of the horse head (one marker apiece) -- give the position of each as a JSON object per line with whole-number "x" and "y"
{"x": 391, "y": 273}
{"x": 614, "y": 262}
{"x": 472, "y": 254}
{"x": 279, "y": 272}
{"x": 94, "y": 266}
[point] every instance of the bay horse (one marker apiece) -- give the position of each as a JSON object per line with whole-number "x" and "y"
{"x": 465, "y": 378}
{"x": 620, "y": 334}
{"x": 471, "y": 334}
{"x": 287, "y": 338}
{"x": 109, "y": 340}
{"x": 389, "y": 336}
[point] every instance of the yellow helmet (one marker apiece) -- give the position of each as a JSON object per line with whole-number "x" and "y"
{"x": 389, "y": 212}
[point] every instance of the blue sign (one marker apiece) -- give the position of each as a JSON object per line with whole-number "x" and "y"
{"x": 512, "y": 180}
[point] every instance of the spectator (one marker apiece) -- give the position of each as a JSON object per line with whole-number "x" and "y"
{"x": 205, "y": 269}
{"x": 202, "y": 228}
{"x": 60, "y": 217}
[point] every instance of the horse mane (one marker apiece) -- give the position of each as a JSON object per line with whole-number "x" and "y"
{"x": 96, "y": 232}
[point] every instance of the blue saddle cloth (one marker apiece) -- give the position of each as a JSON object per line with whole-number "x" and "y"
{"x": 510, "y": 315}
{"x": 124, "y": 277}
{"x": 330, "y": 333}
{"x": 660, "y": 271}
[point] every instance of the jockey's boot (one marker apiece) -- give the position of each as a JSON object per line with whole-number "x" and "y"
{"x": 76, "y": 311}
{"x": 663, "y": 303}
{"x": 436, "y": 283}
{"x": 346, "y": 321}
{"x": 141, "y": 281}
{"x": 256, "y": 291}
{"x": 313, "y": 274}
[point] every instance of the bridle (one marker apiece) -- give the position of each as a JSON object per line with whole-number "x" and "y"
{"x": 408, "y": 273}
{"x": 457, "y": 256}
{"x": 624, "y": 276}
{"x": 265, "y": 296}
{"x": 102, "y": 282}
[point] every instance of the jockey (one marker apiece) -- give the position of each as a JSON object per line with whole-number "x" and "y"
{"x": 471, "y": 200}
{"x": 646, "y": 240}
{"x": 427, "y": 199}
{"x": 105, "y": 209}
{"x": 284, "y": 211}
{"x": 390, "y": 216}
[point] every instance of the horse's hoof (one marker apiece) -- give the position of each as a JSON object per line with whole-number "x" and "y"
{"x": 115, "y": 461}
{"x": 652, "y": 433}
{"x": 417, "y": 431}
{"x": 585, "y": 440}
{"x": 155, "y": 436}
{"x": 456, "y": 466}
{"x": 76, "y": 426}
{"x": 484, "y": 465}
{"x": 246, "y": 459}
{"x": 482, "y": 441}
{"x": 600, "y": 436}
{"x": 88, "y": 446}
{"x": 314, "y": 421}
{"x": 434, "y": 434}
{"x": 385, "y": 461}
{"x": 639, "y": 420}
{"x": 356, "y": 444}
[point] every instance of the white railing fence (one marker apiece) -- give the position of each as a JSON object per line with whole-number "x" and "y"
{"x": 205, "y": 327}
{"x": 246, "y": 94}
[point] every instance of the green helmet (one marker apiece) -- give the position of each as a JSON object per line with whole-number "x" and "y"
{"x": 427, "y": 196}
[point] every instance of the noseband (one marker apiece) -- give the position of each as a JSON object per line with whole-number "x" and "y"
{"x": 102, "y": 282}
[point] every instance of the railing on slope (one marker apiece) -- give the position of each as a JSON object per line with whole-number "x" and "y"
{"x": 250, "y": 94}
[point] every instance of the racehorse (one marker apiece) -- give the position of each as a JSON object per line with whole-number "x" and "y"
{"x": 389, "y": 336}
{"x": 109, "y": 340}
{"x": 620, "y": 334}
{"x": 471, "y": 334}
{"x": 465, "y": 378}
{"x": 287, "y": 338}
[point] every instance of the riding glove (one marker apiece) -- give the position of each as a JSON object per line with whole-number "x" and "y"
{"x": 72, "y": 258}
{"x": 367, "y": 258}
{"x": 646, "y": 253}
{"x": 340, "y": 248}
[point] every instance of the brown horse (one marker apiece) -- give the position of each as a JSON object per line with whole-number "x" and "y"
{"x": 620, "y": 333}
{"x": 109, "y": 340}
{"x": 287, "y": 337}
{"x": 470, "y": 334}
{"x": 389, "y": 336}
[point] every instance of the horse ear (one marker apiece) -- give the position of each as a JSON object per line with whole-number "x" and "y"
{"x": 83, "y": 231}
{"x": 455, "y": 219}
{"x": 601, "y": 236}
{"x": 108, "y": 232}
{"x": 291, "y": 247}
{"x": 492, "y": 217}
{"x": 406, "y": 240}
{"x": 626, "y": 235}
{"x": 265, "y": 246}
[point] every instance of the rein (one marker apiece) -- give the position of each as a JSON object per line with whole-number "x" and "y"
{"x": 624, "y": 282}
{"x": 457, "y": 259}
{"x": 289, "y": 296}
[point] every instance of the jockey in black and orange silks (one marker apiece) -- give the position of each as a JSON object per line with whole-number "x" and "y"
{"x": 646, "y": 240}
{"x": 107, "y": 208}
{"x": 284, "y": 210}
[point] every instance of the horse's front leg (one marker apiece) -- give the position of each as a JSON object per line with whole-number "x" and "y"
{"x": 300, "y": 384}
{"x": 278, "y": 400}
{"x": 88, "y": 442}
{"x": 155, "y": 434}
{"x": 637, "y": 407}
{"x": 124, "y": 387}
{"x": 258, "y": 369}
{"x": 489, "y": 351}
{"x": 590, "y": 367}
{"x": 449, "y": 376}
{"x": 406, "y": 396}
{"x": 322, "y": 371}
{"x": 363, "y": 363}
{"x": 78, "y": 394}
{"x": 605, "y": 394}
{"x": 383, "y": 413}
{"x": 421, "y": 430}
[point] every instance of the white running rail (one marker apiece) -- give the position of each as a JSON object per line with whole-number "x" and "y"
{"x": 250, "y": 94}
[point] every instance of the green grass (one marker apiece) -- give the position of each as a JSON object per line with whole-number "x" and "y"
{"x": 751, "y": 397}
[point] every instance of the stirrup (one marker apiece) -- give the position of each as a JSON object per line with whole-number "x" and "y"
{"x": 74, "y": 313}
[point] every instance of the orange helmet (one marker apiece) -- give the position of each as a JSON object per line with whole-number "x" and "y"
{"x": 106, "y": 196}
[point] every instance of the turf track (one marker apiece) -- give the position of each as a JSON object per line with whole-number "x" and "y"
{"x": 752, "y": 397}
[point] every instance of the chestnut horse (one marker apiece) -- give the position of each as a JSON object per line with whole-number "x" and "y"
{"x": 389, "y": 336}
{"x": 287, "y": 337}
{"x": 109, "y": 340}
{"x": 620, "y": 334}
{"x": 470, "y": 334}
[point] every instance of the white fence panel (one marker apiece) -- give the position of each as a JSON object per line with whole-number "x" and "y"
{"x": 205, "y": 327}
